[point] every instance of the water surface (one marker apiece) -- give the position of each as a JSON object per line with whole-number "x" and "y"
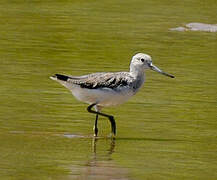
{"x": 167, "y": 131}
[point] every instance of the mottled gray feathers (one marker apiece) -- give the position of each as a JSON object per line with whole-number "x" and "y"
{"x": 100, "y": 80}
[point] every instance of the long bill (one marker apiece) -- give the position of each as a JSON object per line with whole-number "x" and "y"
{"x": 155, "y": 68}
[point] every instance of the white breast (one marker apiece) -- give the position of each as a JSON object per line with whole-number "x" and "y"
{"x": 103, "y": 96}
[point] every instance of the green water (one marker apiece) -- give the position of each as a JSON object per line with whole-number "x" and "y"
{"x": 167, "y": 131}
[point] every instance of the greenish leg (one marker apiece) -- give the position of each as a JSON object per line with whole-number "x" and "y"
{"x": 111, "y": 119}
{"x": 95, "y": 128}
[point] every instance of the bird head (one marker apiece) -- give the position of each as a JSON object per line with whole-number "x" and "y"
{"x": 142, "y": 61}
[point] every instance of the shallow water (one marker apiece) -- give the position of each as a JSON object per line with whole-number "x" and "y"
{"x": 167, "y": 131}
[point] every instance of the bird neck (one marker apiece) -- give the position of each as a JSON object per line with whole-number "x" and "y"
{"x": 137, "y": 72}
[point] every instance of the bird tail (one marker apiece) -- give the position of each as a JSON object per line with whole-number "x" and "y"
{"x": 59, "y": 77}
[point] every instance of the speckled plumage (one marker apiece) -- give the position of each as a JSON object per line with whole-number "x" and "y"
{"x": 115, "y": 81}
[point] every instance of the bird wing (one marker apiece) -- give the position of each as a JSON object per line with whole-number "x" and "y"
{"x": 101, "y": 80}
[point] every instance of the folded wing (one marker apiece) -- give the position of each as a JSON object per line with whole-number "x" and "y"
{"x": 98, "y": 80}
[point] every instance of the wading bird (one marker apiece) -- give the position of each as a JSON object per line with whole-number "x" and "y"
{"x": 105, "y": 89}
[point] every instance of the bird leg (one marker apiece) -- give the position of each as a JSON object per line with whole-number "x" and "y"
{"x": 111, "y": 118}
{"x": 95, "y": 126}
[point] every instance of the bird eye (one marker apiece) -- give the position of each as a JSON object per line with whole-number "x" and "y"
{"x": 142, "y": 60}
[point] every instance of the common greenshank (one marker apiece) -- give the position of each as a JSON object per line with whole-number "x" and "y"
{"x": 109, "y": 88}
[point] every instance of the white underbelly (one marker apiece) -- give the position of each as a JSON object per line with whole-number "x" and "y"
{"x": 103, "y": 97}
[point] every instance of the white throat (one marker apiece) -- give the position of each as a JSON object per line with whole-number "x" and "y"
{"x": 136, "y": 71}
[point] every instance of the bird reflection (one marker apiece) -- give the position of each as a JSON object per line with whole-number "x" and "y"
{"x": 100, "y": 166}
{"x": 110, "y": 151}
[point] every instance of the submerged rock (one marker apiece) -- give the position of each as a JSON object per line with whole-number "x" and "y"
{"x": 202, "y": 27}
{"x": 197, "y": 27}
{"x": 178, "y": 29}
